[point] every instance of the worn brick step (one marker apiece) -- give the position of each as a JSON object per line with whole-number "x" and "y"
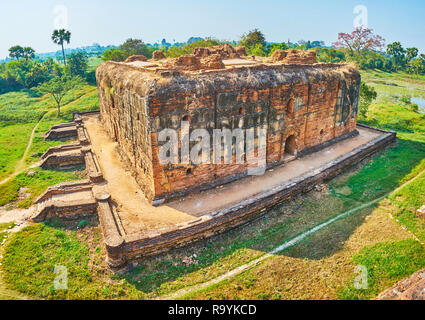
{"x": 67, "y": 206}
{"x": 62, "y": 148}
{"x": 63, "y": 158}
{"x": 62, "y": 132}
{"x": 63, "y": 188}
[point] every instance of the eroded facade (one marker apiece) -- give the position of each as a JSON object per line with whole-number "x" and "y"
{"x": 303, "y": 106}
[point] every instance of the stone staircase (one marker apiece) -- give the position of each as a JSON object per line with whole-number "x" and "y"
{"x": 58, "y": 149}
{"x": 61, "y": 158}
{"x": 68, "y": 201}
{"x": 72, "y": 155}
{"x": 64, "y": 131}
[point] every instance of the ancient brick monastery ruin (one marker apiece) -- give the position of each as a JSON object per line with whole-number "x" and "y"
{"x": 301, "y": 107}
{"x": 309, "y": 110}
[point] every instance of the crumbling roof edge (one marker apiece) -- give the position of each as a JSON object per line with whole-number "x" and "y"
{"x": 167, "y": 72}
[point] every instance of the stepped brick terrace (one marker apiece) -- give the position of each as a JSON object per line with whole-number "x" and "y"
{"x": 309, "y": 111}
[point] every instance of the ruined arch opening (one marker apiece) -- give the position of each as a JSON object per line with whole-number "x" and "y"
{"x": 290, "y": 146}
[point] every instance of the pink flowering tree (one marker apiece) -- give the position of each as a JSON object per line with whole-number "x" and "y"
{"x": 359, "y": 40}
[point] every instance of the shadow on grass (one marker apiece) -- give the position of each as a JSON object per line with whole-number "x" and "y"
{"x": 330, "y": 239}
{"x": 89, "y": 221}
{"x": 373, "y": 179}
{"x": 207, "y": 259}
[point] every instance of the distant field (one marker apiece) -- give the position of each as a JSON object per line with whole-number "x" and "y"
{"x": 94, "y": 62}
{"x": 392, "y": 87}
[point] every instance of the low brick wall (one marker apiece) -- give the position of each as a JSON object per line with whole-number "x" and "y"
{"x": 123, "y": 248}
{"x": 63, "y": 131}
{"x": 62, "y": 148}
{"x": 64, "y": 188}
{"x": 63, "y": 160}
{"x": 92, "y": 166}
{"x": 72, "y": 210}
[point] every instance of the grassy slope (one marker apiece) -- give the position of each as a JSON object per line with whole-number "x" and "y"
{"x": 320, "y": 267}
{"x": 19, "y": 114}
{"x": 13, "y": 142}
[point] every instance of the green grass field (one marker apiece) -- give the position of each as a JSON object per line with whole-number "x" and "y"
{"x": 20, "y": 112}
{"x": 321, "y": 266}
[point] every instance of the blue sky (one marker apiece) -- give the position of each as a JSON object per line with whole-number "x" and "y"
{"x": 30, "y": 23}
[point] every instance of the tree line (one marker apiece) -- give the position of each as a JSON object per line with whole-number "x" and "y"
{"x": 361, "y": 46}
{"x": 24, "y": 72}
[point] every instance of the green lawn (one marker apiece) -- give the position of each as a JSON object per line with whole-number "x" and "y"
{"x": 387, "y": 263}
{"x": 13, "y": 142}
{"x": 36, "y": 184}
{"x": 19, "y": 113}
{"x": 34, "y": 253}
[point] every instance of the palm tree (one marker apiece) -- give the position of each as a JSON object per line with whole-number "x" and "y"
{"x": 60, "y": 37}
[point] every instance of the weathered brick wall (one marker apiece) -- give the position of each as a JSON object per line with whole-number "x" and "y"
{"x": 125, "y": 117}
{"x": 302, "y": 107}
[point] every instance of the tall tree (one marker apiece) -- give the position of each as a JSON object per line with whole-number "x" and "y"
{"x": 417, "y": 66}
{"x": 367, "y": 95}
{"x": 29, "y": 53}
{"x": 59, "y": 87}
{"x": 134, "y": 46}
{"x": 411, "y": 53}
{"x": 18, "y": 52}
{"x": 78, "y": 64}
{"x": 59, "y": 37}
{"x": 252, "y": 39}
{"x": 359, "y": 40}
{"x": 398, "y": 53}
{"x": 114, "y": 55}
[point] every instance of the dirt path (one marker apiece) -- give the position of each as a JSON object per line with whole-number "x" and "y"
{"x": 137, "y": 214}
{"x": 290, "y": 243}
{"x": 21, "y": 164}
{"x": 6, "y": 294}
{"x": 20, "y": 167}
